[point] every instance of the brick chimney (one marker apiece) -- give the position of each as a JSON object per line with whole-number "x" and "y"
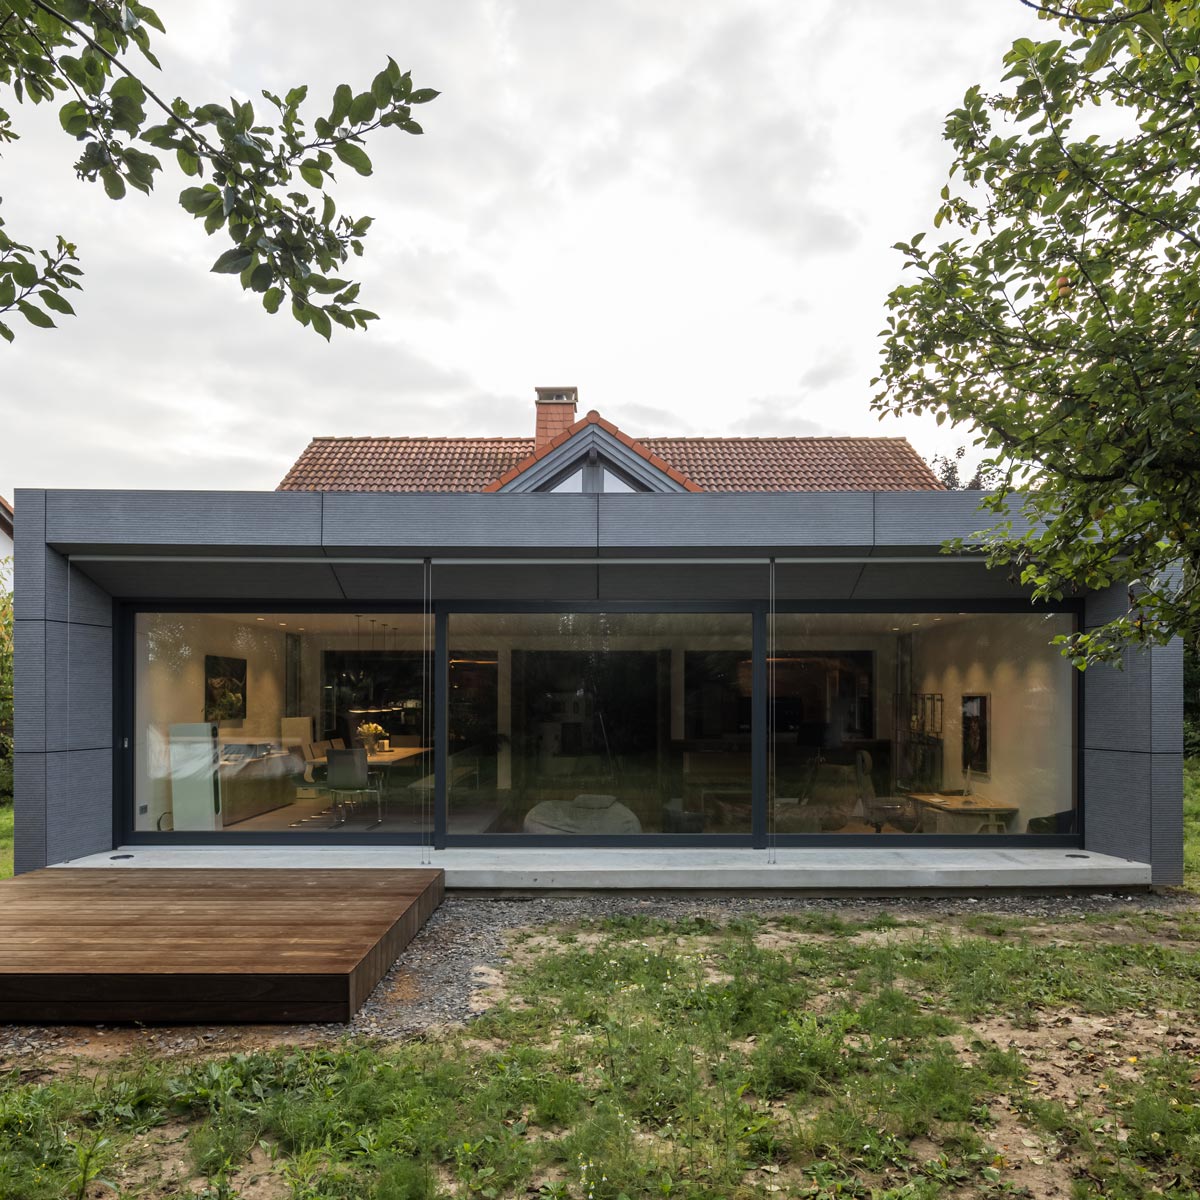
{"x": 555, "y": 412}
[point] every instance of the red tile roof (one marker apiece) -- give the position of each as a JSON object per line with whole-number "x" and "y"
{"x": 6, "y": 516}
{"x": 711, "y": 464}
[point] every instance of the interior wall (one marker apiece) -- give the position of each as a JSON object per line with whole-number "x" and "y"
{"x": 1031, "y": 688}
{"x": 170, "y": 649}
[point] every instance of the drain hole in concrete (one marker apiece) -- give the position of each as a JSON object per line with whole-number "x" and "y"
{"x": 1069, "y": 856}
{"x": 114, "y": 857}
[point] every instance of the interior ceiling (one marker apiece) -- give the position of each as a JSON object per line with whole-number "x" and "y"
{"x": 789, "y": 626}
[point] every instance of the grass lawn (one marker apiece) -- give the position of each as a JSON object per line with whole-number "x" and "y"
{"x": 6, "y": 840}
{"x": 803, "y": 1055}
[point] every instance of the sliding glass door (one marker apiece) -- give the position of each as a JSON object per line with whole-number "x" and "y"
{"x": 599, "y": 724}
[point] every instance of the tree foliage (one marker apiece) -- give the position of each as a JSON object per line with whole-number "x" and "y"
{"x": 265, "y": 182}
{"x": 1061, "y": 318}
{"x": 949, "y": 470}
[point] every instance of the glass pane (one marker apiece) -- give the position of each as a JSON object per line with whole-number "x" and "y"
{"x": 237, "y": 715}
{"x": 955, "y": 723}
{"x": 599, "y": 723}
{"x": 572, "y": 483}
{"x": 614, "y": 483}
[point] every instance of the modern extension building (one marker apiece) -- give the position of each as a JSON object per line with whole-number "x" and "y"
{"x": 708, "y": 652}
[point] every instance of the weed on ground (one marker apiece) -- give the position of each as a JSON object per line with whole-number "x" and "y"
{"x": 793, "y": 1055}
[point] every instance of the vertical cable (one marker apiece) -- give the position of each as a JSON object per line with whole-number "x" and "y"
{"x": 771, "y": 705}
{"x": 68, "y": 640}
{"x": 427, "y": 719}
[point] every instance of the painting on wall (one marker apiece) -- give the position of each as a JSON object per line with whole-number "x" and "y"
{"x": 976, "y": 734}
{"x": 224, "y": 688}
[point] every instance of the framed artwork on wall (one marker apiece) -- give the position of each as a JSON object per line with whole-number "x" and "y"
{"x": 976, "y": 733}
{"x": 224, "y": 688}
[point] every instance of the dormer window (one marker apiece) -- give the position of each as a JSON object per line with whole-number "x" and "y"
{"x": 593, "y": 474}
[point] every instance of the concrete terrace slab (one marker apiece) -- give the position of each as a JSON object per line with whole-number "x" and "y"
{"x": 811, "y": 869}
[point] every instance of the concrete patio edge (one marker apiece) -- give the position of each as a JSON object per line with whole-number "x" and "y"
{"x": 801, "y": 869}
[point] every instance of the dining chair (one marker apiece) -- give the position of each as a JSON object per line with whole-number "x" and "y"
{"x": 349, "y": 780}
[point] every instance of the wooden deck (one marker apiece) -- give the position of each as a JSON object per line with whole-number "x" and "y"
{"x": 202, "y": 945}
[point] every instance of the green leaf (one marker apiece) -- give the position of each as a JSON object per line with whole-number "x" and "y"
{"x": 424, "y": 95}
{"x": 363, "y": 109}
{"x": 353, "y": 156}
{"x": 272, "y": 299}
{"x": 232, "y": 262}
{"x": 114, "y": 185}
{"x": 5, "y": 332}
{"x": 189, "y": 164}
{"x": 320, "y": 322}
{"x": 343, "y": 97}
{"x": 25, "y": 273}
{"x": 34, "y": 315}
{"x": 128, "y": 88}
{"x": 312, "y": 174}
{"x": 328, "y": 210}
{"x": 55, "y": 301}
{"x": 381, "y": 88}
{"x": 73, "y": 117}
{"x": 198, "y": 201}
{"x": 262, "y": 277}
{"x": 8, "y": 291}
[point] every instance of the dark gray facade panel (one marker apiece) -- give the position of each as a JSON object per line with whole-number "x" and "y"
{"x": 79, "y": 804}
{"x": 420, "y": 523}
{"x": 927, "y": 519}
{"x": 29, "y": 547}
{"x": 1166, "y": 703}
{"x": 751, "y": 521}
{"x": 29, "y": 685}
{"x": 56, "y": 575}
{"x": 29, "y": 811}
{"x": 1116, "y": 705}
{"x": 79, "y": 686}
{"x": 816, "y": 581}
{"x": 690, "y": 582}
{"x": 1166, "y": 789}
{"x": 78, "y": 520}
{"x": 535, "y": 583}
{"x": 946, "y": 582}
{"x": 1118, "y": 819}
{"x": 1101, "y": 607}
{"x": 258, "y": 581}
{"x": 382, "y": 581}
{"x": 89, "y": 603}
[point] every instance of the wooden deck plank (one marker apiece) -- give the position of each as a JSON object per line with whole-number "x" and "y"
{"x": 217, "y": 945}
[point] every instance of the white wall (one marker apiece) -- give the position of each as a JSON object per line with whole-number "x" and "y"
{"x": 1031, "y": 686}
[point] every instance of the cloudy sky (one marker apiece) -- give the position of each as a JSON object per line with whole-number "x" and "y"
{"x": 685, "y": 209}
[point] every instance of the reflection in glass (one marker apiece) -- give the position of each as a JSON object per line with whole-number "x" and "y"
{"x": 599, "y": 724}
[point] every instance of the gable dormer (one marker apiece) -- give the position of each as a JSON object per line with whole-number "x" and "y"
{"x": 592, "y": 455}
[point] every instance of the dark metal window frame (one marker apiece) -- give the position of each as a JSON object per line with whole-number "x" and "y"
{"x": 124, "y": 800}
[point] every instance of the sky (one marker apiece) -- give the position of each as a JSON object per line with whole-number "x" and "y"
{"x": 686, "y": 210}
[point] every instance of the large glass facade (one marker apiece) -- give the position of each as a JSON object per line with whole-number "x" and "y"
{"x": 242, "y": 720}
{"x": 603, "y": 725}
{"x": 947, "y": 723}
{"x": 599, "y": 723}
